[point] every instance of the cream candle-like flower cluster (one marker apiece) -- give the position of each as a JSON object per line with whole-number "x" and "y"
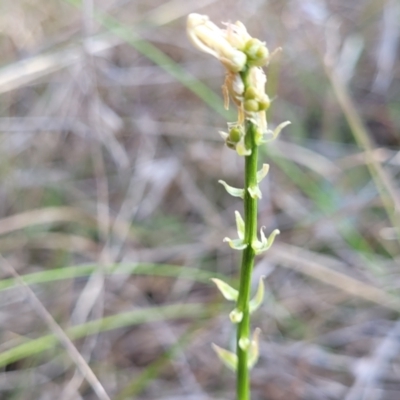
{"x": 233, "y": 46}
{"x": 238, "y": 52}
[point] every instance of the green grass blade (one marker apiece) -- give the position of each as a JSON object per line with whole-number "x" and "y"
{"x": 131, "y": 318}
{"x": 83, "y": 270}
{"x": 128, "y": 34}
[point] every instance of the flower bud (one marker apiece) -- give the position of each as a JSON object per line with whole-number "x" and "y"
{"x": 251, "y": 93}
{"x": 235, "y": 134}
{"x": 251, "y": 105}
{"x": 236, "y": 316}
{"x": 264, "y": 103}
{"x": 257, "y": 52}
{"x": 252, "y": 47}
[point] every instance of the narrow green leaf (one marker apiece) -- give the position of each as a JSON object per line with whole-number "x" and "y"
{"x": 257, "y": 300}
{"x": 239, "y": 225}
{"x": 236, "y": 244}
{"x": 130, "y": 318}
{"x": 275, "y": 133}
{"x": 254, "y": 349}
{"x": 76, "y": 271}
{"x": 235, "y": 192}
{"x": 262, "y": 173}
{"x": 227, "y": 291}
{"x": 228, "y": 358}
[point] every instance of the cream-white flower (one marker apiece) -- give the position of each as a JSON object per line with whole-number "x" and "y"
{"x": 257, "y": 80}
{"x": 220, "y": 43}
{"x": 237, "y": 35}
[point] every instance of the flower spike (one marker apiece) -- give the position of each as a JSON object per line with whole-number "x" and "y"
{"x": 243, "y": 58}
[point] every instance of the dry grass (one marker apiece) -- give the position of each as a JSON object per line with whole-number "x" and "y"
{"x": 111, "y": 212}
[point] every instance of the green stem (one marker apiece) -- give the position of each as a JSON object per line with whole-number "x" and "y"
{"x": 250, "y": 219}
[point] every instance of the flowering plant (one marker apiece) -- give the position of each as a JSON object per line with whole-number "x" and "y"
{"x": 243, "y": 58}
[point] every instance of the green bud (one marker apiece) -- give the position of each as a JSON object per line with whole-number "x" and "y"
{"x": 250, "y": 93}
{"x": 235, "y": 316}
{"x": 262, "y": 57}
{"x": 252, "y": 47}
{"x": 262, "y": 52}
{"x": 244, "y": 343}
{"x": 264, "y": 103}
{"x": 257, "y": 53}
{"x": 251, "y": 105}
{"x": 235, "y": 134}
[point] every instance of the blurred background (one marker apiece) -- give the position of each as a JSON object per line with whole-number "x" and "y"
{"x": 112, "y": 220}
